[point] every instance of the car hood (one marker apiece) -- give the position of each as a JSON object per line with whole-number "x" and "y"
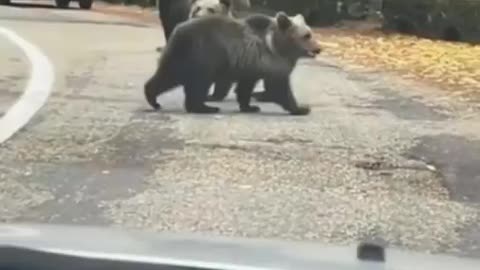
{"x": 133, "y": 248}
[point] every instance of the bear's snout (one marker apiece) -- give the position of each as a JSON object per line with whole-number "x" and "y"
{"x": 317, "y": 50}
{"x": 314, "y": 51}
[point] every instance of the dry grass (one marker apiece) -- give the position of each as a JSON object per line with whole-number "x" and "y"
{"x": 452, "y": 66}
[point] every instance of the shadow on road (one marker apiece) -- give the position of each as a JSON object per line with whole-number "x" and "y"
{"x": 39, "y": 6}
{"x": 31, "y": 5}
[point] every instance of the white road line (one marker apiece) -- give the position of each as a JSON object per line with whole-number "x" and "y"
{"x": 35, "y": 94}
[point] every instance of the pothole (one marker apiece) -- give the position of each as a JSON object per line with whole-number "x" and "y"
{"x": 382, "y": 164}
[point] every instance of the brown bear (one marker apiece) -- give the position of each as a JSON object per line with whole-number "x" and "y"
{"x": 215, "y": 48}
{"x": 259, "y": 26}
{"x": 175, "y": 12}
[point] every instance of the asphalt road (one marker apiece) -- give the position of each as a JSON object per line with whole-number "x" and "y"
{"x": 378, "y": 158}
{"x": 12, "y": 78}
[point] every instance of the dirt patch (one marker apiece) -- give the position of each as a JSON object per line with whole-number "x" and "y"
{"x": 145, "y": 15}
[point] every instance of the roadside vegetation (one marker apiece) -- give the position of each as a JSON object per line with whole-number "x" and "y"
{"x": 452, "y": 66}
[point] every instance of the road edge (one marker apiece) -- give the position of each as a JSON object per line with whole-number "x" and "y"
{"x": 37, "y": 91}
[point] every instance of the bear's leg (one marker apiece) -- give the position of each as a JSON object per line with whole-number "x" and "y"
{"x": 167, "y": 28}
{"x": 195, "y": 96}
{"x": 172, "y": 13}
{"x": 261, "y": 96}
{"x": 158, "y": 84}
{"x": 266, "y": 94}
{"x": 283, "y": 96}
{"x": 220, "y": 92}
{"x": 164, "y": 10}
{"x": 244, "y": 91}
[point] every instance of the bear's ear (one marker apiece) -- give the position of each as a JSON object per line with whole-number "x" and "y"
{"x": 226, "y": 3}
{"x": 300, "y": 18}
{"x": 283, "y": 21}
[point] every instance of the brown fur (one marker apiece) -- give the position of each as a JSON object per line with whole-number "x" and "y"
{"x": 217, "y": 48}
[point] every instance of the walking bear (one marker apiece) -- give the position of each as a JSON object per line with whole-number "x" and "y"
{"x": 174, "y": 12}
{"x": 259, "y": 25}
{"x": 207, "y": 50}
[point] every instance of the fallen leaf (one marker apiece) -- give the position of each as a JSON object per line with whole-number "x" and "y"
{"x": 452, "y": 66}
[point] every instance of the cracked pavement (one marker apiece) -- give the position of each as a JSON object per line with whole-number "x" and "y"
{"x": 377, "y": 158}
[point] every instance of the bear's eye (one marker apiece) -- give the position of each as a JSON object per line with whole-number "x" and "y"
{"x": 307, "y": 36}
{"x": 211, "y": 10}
